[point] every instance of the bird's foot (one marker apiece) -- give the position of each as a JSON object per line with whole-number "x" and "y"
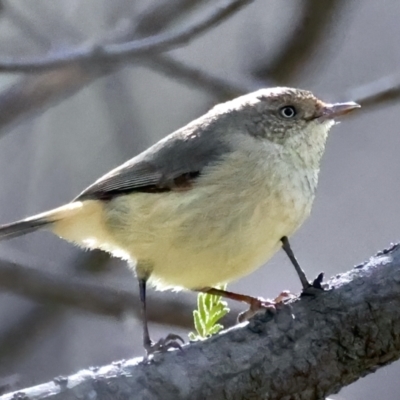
{"x": 171, "y": 341}
{"x": 258, "y": 304}
{"x": 315, "y": 287}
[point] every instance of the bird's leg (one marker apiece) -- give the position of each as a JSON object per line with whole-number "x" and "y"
{"x": 256, "y": 303}
{"x": 142, "y": 294}
{"x": 303, "y": 279}
{"x": 289, "y": 252}
{"x": 169, "y": 342}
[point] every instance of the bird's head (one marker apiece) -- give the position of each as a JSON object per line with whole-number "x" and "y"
{"x": 277, "y": 114}
{"x": 288, "y": 118}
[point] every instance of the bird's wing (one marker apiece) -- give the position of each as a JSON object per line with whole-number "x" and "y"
{"x": 171, "y": 164}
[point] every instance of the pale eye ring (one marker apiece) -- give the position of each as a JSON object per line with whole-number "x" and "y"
{"x": 288, "y": 112}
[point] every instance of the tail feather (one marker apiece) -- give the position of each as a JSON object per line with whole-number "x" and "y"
{"x": 37, "y": 222}
{"x": 22, "y": 227}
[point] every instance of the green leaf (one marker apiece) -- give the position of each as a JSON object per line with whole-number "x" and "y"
{"x": 201, "y": 306}
{"x": 210, "y": 309}
{"x": 217, "y": 315}
{"x": 208, "y": 301}
{"x": 215, "y": 329}
{"x": 199, "y": 324}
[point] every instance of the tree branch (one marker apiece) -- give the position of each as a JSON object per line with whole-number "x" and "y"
{"x": 223, "y": 89}
{"x": 310, "y": 30}
{"x": 380, "y": 92}
{"x": 58, "y": 289}
{"x": 36, "y": 93}
{"x": 160, "y": 15}
{"x": 307, "y": 350}
{"x": 41, "y": 91}
{"x": 20, "y": 338}
{"x": 28, "y": 29}
{"x": 122, "y": 51}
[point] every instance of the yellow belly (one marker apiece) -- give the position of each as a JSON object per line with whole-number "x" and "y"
{"x": 192, "y": 242}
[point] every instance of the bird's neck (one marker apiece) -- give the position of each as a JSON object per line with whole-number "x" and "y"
{"x": 306, "y": 150}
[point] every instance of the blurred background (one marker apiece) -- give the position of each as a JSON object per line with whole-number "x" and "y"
{"x": 62, "y": 128}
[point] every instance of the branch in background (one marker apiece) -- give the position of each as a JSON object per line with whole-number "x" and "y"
{"x": 18, "y": 339}
{"x": 314, "y": 23}
{"x": 120, "y": 52}
{"x": 21, "y": 337}
{"x": 380, "y": 92}
{"x": 223, "y": 89}
{"x": 36, "y": 93}
{"x": 62, "y": 290}
{"x": 30, "y": 21}
{"x": 308, "y": 349}
{"x": 162, "y": 13}
{"x": 55, "y": 289}
{"x": 41, "y": 40}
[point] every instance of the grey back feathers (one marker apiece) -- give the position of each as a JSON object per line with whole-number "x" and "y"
{"x": 172, "y": 163}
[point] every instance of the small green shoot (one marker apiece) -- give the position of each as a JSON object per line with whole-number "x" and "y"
{"x": 210, "y": 309}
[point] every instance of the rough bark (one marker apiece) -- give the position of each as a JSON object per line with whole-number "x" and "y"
{"x": 307, "y": 349}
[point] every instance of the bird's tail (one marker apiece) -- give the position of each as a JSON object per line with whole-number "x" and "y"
{"x": 31, "y": 224}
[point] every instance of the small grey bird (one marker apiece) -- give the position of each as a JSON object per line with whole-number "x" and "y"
{"x": 209, "y": 203}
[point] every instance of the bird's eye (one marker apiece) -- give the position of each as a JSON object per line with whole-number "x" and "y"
{"x": 287, "y": 112}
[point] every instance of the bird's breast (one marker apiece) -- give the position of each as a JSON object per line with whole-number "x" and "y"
{"x": 228, "y": 225}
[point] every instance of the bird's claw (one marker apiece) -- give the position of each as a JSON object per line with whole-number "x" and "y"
{"x": 284, "y": 295}
{"x": 259, "y": 304}
{"x": 171, "y": 341}
{"x": 315, "y": 287}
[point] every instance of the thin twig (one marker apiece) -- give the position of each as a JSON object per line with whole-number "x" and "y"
{"x": 29, "y": 19}
{"x": 52, "y": 288}
{"x": 22, "y": 22}
{"x": 124, "y": 51}
{"x": 315, "y": 21}
{"x": 221, "y": 88}
{"x": 161, "y": 14}
{"x": 377, "y": 93}
{"x": 36, "y": 93}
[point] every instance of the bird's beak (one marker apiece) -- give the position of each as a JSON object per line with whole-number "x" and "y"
{"x": 331, "y": 111}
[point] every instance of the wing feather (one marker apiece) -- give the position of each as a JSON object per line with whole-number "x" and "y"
{"x": 172, "y": 163}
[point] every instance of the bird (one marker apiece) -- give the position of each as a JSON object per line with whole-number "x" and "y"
{"x": 209, "y": 203}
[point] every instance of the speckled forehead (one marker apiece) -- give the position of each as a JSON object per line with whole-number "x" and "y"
{"x": 283, "y": 95}
{"x": 280, "y": 96}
